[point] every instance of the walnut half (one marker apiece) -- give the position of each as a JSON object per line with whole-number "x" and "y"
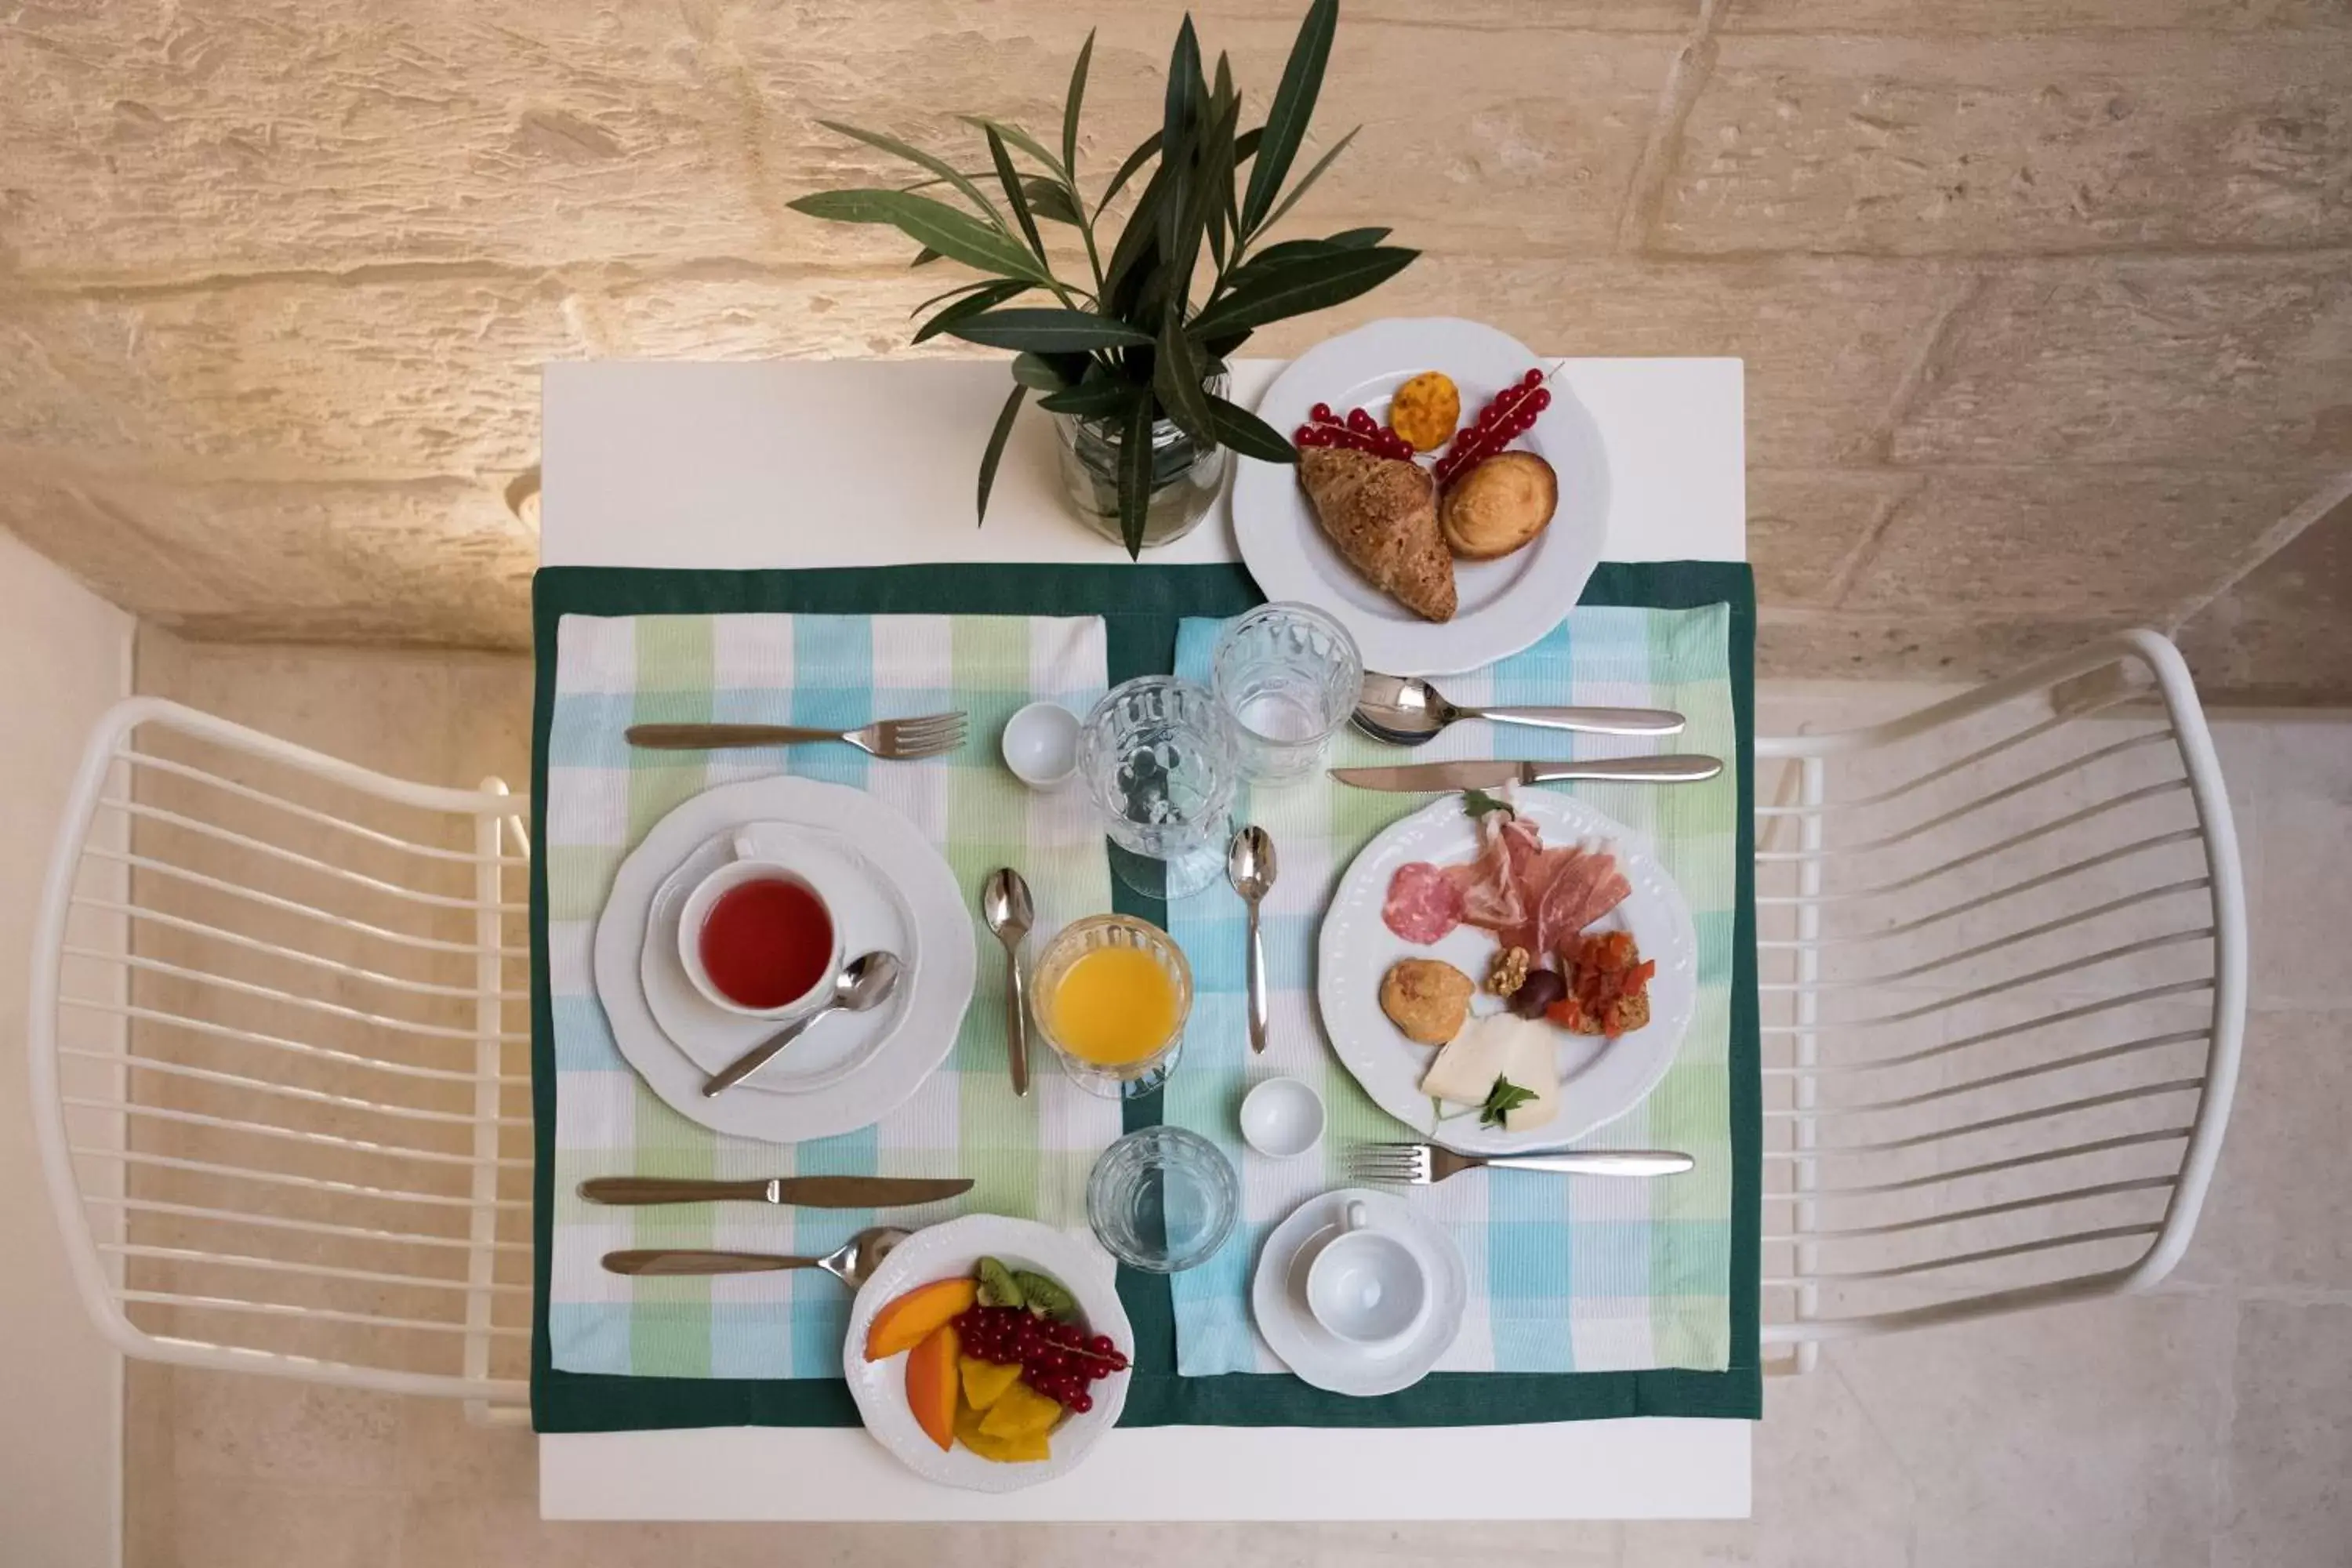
{"x": 1508, "y": 971}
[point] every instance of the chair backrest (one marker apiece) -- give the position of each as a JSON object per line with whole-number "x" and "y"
{"x": 279, "y": 1055}
{"x": 2003, "y": 945}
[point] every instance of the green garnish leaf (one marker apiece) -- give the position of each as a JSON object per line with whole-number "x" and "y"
{"x": 1501, "y": 1100}
{"x": 1000, "y": 1287}
{"x": 1045, "y": 1294}
{"x": 1477, "y": 803}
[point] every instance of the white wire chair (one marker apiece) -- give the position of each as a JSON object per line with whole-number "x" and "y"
{"x": 279, "y": 1055}
{"x": 2003, "y": 949}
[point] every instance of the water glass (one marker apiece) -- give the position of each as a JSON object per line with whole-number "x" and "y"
{"x": 1163, "y": 1200}
{"x": 1158, "y": 758}
{"x": 1113, "y": 1080}
{"x": 1287, "y": 676}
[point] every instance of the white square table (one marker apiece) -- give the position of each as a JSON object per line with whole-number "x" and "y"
{"x": 848, "y": 463}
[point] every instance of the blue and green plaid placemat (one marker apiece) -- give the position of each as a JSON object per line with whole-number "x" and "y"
{"x": 1565, "y": 1276}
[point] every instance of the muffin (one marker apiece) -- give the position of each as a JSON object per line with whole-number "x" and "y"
{"x": 1499, "y": 506}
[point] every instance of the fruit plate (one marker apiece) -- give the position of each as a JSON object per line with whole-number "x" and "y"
{"x": 1598, "y": 1080}
{"x": 1504, "y": 605}
{"x": 953, "y": 1250}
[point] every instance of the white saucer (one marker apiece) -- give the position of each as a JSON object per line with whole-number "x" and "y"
{"x": 867, "y": 910}
{"x": 1279, "y": 1300}
{"x": 944, "y": 952}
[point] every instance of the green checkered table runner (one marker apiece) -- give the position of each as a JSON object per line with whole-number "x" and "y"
{"x": 1565, "y": 1276}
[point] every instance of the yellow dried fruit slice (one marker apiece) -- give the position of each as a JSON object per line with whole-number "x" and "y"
{"x": 1000, "y": 1450}
{"x": 1425, "y": 410}
{"x": 984, "y": 1382}
{"x": 1020, "y": 1412}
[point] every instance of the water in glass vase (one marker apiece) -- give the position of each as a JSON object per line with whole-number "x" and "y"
{"x": 1186, "y": 475}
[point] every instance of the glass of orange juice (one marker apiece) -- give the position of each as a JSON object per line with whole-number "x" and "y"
{"x": 1111, "y": 994}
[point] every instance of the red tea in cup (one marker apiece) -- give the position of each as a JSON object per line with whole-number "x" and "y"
{"x": 766, "y": 943}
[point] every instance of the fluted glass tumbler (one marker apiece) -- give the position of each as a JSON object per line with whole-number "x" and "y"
{"x": 1156, "y": 754}
{"x": 1287, "y": 676}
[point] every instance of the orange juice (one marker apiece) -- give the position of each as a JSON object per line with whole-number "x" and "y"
{"x": 1113, "y": 1005}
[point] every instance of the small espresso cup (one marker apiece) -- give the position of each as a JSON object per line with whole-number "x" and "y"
{"x": 1365, "y": 1286}
{"x": 753, "y": 864}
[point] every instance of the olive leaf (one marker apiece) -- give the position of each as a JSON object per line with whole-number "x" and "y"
{"x": 1310, "y": 284}
{"x": 941, "y": 170}
{"x": 1294, "y": 106}
{"x": 1135, "y": 475}
{"x": 1014, "y": 197}
{"x": 986, "y": 297}
{"x": 1072, "y": 103}
{"x": 1043, "y": 329}
{"x": 933, "y": 223}
{"x": 996, "y": 439}
{"x": 1243, "y": 432}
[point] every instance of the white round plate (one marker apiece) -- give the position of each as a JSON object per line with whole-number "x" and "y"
{"x": 868, "y": 912}
{"x": 938, "y": 988}
{"x": 1505, "y": 605}
{"x": 1599, "y": 1079}
{"x": 953, "y": 1250}
{"x": 1278, "y": 1298}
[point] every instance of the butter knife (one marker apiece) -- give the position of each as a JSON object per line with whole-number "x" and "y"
{"x": 803, "y": 1192}
{"x": 1431, "y": 776}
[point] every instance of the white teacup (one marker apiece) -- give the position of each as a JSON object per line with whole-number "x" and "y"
{"x": 752, "y": 864}
{"x": 1365, "y": 1286}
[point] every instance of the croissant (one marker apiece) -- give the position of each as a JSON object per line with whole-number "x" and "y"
{"x": 1383, "y": 515}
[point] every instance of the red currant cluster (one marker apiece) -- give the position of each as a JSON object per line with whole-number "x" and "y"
{"x": 1057, "y": 1360}
{"x": 1511, "y": 415}
{"x": 1359, "y": 430}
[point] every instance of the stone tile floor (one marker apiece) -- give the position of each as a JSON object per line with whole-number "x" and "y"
{"x": 2209, "y": 1423}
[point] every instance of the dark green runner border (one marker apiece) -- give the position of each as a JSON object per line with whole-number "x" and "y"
{"x": 1141, "y": 606}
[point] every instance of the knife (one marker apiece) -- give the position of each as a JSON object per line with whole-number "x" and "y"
{"x": 1672, "y": 769}
{"x": 805, "y": 1192}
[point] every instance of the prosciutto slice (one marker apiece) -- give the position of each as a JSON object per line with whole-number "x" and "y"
{"x": 1492, "y": 895}
{"x": 1585, "y": 888}
{"x": 1422, "y": 904}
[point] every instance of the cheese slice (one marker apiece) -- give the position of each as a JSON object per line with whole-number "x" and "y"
{"x": 1465, "y": 1070}
{"x": 1524, "y": 1050}
{"x": 1532, "y": 1062}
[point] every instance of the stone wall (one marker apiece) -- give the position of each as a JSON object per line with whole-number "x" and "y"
{"x": 2046, "y": 304}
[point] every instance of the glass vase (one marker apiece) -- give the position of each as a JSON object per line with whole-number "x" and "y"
{"x": 1186, "y": 474}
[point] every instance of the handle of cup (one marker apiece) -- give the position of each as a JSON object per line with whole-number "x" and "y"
{"x": 1358, "y": 1217}
{"x": 744, "y": 848}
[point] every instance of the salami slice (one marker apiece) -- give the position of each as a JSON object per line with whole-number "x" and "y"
{"x": 1423, "y": 903}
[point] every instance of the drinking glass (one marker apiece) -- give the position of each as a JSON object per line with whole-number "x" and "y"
{"x": 1287, "y": 676}
{"x": 1162, "y": 1200}
{"x": 1158, "y": 758}
{"x": 1112, "y": 1080}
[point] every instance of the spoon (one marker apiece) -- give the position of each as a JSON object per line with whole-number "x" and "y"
{"x": 851, "y": 1263}
{"x": 1405, "y": 711}
{"x": 1249, "y": 866}
{"x": 1004, "y": 904}
{"x": 866, "y": 982}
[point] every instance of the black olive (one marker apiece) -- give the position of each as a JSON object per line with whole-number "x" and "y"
{"x": 1538, "y": 991}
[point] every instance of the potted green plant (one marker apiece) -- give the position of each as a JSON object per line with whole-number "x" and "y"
{"x": 1131, "y": 358}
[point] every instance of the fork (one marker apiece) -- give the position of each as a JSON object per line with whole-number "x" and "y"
{"x": 900, "y": 740}
{"x": 1420, "y": 1164}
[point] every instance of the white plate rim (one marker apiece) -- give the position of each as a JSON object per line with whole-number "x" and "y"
{"x": 1283, "y": 547}
{"x": 926, "y": 1031}
{"x": 1308, "y": 1349}
{"x": 1354, "y": 948}
{"x": 943, "y": 1251}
